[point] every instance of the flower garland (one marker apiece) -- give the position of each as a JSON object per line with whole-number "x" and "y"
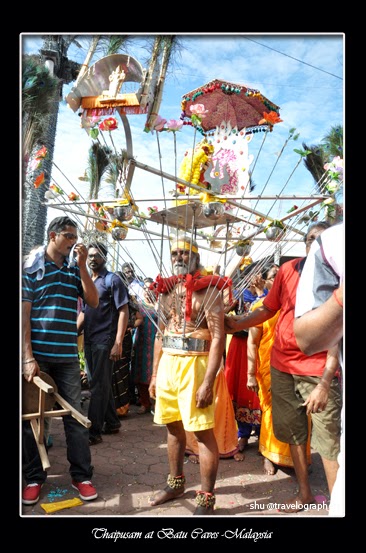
{"x": 190, "y": 169}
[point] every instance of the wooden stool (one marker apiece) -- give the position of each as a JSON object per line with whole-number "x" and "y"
{"x": 38, "y": 400}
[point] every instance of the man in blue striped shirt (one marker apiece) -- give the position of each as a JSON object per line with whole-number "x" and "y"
{"x": 51, "y": 287}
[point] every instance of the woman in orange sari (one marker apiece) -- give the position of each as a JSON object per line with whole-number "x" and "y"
{"x": 260, "y": 341}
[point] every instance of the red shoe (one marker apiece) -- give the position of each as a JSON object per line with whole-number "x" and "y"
{"x": 86, "y": 490}
{"x": 31, "y": 493}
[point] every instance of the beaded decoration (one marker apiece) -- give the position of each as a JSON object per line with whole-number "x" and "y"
{"x": 176, "y": 482}
{"x": 205, "y": 499}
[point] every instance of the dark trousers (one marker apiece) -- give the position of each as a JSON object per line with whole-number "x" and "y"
{"x": 67, "y": 379}
{"x": 245, "y": 429}
{"x": 101, "y": 406}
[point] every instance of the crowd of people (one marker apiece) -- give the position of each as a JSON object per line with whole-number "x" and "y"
{"x": 212, "y": 378}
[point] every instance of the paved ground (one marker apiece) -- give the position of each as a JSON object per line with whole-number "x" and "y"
{"x": 131, "y": 465}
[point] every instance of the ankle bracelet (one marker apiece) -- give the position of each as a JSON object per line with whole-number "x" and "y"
{"x": 176, "y": 482}
{"x": 205, "y": 499}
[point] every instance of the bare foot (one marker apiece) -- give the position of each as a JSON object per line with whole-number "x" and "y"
{"x": 242, "y": 443}
{"x": 240, "y": 456}
{"x": 167, "y": 494}
{"x": 194, "y": 459}
{"x": 269, "y": 467}
{"x": 295, "y": 505}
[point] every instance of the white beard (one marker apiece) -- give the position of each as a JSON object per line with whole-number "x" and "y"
{"x": 180, "y": 269}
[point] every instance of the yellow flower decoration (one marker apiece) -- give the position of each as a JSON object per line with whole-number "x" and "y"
{"x": 207, "y": 198}
{"x": 246, "y": 261}
{"x": 116, "y": 223}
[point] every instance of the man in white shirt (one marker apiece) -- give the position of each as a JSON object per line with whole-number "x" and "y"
{"x": 135, "y": 285}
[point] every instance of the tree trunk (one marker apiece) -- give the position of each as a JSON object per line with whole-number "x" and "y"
{"x": 34, "y": 216}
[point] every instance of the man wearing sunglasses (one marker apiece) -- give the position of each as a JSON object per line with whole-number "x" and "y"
{"x": 50, "y": 291}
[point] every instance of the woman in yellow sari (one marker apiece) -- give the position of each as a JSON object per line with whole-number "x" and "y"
{"x": 260, "y": 341}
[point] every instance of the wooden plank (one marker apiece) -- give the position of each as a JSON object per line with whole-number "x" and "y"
{"x": 43, "y": 385}
{"x": 41, "y": 448}
{"x": 74, "y": 412}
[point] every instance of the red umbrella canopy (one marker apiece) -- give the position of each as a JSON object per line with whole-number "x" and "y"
{"x": 229, "y": 102}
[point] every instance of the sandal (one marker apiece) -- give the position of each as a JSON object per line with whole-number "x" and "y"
{"x": 205, "y": 503}
{"x": 123, "y": 411}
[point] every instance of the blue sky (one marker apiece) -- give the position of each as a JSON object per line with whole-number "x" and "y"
{"x": 302, "y": 74}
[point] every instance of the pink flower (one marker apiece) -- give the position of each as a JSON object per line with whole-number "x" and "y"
{"x": 199, "y": 110}
{"x": 94, "y": 120}
{"x": 34, "y": 164}
{"x": 159, "y": 123}
{"x": 153, "y": 209}
{"x": 89, "y": 122}
{"x": 174, "y": 125}
{"x": 336, "y": 164}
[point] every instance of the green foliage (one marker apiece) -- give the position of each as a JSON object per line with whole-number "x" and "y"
{"x": 303, "y": 153}
{"x": 320, "y": 154}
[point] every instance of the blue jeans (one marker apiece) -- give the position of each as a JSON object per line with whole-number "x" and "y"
{"x": 67, "y": 380}
{"x": 101, "y": 406}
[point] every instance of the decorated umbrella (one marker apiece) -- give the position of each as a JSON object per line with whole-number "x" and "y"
{"x": 243, "y": 107}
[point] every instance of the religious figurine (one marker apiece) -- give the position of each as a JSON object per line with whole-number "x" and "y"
{"x": 116, "y": 79}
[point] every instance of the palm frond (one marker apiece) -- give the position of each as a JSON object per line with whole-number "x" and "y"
{"x": 113, "y": 44}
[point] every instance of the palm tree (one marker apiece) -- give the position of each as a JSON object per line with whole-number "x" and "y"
{"x": 330, "y": 147}
{"x": 38, "y": 94}
{"x": 54, "y": 57}
{"x": 38, "y": 90}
